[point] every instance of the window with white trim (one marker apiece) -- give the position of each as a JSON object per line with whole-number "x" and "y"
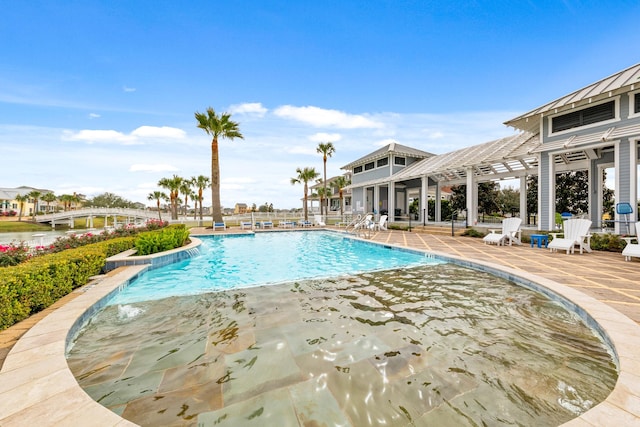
{"x": 400, "y": 161}
{"x": 357, "y": 169}
{"x": 382, "y": 162}
{"x": 369, "y": 166}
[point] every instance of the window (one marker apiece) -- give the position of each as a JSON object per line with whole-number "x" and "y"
{"x": 587, "y": 116}
{"x": 357, "y": 169}
{"x": 382, "y": 162}
{"x": 369, "y": 166}
{"x": 400, "y": 161}
{"x": 636, "y": 103}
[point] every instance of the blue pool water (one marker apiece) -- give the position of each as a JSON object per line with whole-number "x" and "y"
{"x": 228, "y": 262}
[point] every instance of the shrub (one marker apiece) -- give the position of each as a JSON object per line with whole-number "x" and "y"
{"x": 13, "y": 254}
{"x": 607, "y": 242}
{"x": 166, "y": 239}
{"x": 472, "y": 232}
{"x": 40, "y": 281}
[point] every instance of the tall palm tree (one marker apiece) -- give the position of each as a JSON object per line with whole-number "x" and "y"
{"x": 48, "y": 198}
{"x": 157, "y": 196}
{"x": 173, "y": 185}
{"x": 218, "y": 126}
{"x": 201, "y": 182}
{"x": 21, "y": 199}
{"x": 341, "y": 182}
{"x": 304, "y": 176}
{"x": 326, "y": 149}
{"x": 35, "y": 195}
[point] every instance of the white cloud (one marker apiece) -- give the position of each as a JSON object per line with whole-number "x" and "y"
{"x": 325, "y": 137}
{"x": 128, "y": 89}
{"x": 89, "y": 135}
{"x": 135, "y": 137}
{"x": 320, "y": 117}
{"x": 239, "y": 180}
{"x": 140, "y": 167}
{"x": 158, "y": 132}
{"x": 300, "y": 149}
{"x": 94, "y": 115}
{"x": 254, "y": 108}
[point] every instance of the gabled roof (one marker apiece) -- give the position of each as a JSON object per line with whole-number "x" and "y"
{"x": 628, "y": 79}
{"x": 393, "y": 148}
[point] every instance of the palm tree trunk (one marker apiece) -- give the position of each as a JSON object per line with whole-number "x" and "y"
{"x": 325, "y": 187}
{"x": 306, "y": 217}
{"x": 200, "y": 200}
{"x": 216, "y": 208}
{"x": 159, "y": 216}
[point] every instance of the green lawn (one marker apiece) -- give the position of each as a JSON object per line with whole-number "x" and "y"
{"x": 18, "y": 226}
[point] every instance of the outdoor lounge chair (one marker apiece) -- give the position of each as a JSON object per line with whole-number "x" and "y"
{"x": 317, "y": 220}
{"x": 219, "y": 225}
{"x": 576, "y": 233}
{"x": 285, "y": 224}
{"x": 381, "y": 224}
{"x": 246, "y": 225}
{"x": 266, "y": 224}
{"x": 632, "y": 249}
{"x": 304, "y": 223}
{"x": 510, "y": 231}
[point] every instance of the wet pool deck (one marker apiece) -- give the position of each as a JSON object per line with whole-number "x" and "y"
{"x": 37, "y": 388}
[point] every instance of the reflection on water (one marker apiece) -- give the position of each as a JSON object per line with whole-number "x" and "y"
{"x": 430, "y": 345}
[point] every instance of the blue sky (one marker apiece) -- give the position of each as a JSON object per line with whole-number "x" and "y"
{"x": 100, "y": 96}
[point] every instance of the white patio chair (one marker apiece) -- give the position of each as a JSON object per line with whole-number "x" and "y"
{"x": 510, "y": 231}
{"x": 381, "y": 224}
{"x": 576, "y": 233}
{"x": 317, "y": 220}
{"x": 632, "y": 249}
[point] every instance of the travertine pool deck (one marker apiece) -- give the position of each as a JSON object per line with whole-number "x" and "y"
{"x": 37, "y": 388}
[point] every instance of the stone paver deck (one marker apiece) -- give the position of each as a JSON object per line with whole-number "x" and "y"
{"x": 37, "y": 388}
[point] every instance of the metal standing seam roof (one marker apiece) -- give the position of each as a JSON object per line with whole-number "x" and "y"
{"x": 608, "y": 86}
{"x": 393, "y": 148}
{"x": 493, "y": 158}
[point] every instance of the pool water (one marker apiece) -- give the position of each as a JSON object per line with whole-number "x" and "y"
{"x": 227, "y": 262}
{"x": 416, "y": 345}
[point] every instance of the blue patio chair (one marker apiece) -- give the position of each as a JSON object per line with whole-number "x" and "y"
{"x": 624, "y": 209}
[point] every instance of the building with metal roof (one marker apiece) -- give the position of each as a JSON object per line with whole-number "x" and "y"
{"x": 594, "y": 128}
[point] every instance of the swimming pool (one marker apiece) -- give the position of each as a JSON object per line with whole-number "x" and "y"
{"x": 239, "y": 261}
{"x": 420, "y": 344}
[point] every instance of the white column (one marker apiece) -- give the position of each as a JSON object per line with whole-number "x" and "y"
{"x": 472, "y": 211}
{"x": 552, "y": 191}
{"x": 438, "y": 203}
{"x": 376, "y": 200}
{"x": 424, "y": 199}
{"x": 523, "y": 199}
{"x": 392, "y": 201}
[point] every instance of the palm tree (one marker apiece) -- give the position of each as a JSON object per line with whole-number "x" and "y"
{"x": 157, "y": 196}
{"x": 21, "y": 199}
{"x": 173, "y": 185}
{"x": 49, "y": 197}
{"x": 35, "y": 195}
{"x": 201, "y": 182}
{"x": 185, "y": 190}
{"x": 218, "y": 126}
{"x": 326, "y": 149}
{"x": 341, "y": 182}
{"x": 304, "y": 176}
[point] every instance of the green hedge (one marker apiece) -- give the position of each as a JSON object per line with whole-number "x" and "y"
{"x": 152, "y": 242}
{"x": 34, "y": 285}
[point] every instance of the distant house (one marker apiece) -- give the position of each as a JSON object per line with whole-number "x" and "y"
{"x": 8, "y": 202}
{"x": 241, "y": 208}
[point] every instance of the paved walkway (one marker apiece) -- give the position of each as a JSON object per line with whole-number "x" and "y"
{"x": 43, "y": 397}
